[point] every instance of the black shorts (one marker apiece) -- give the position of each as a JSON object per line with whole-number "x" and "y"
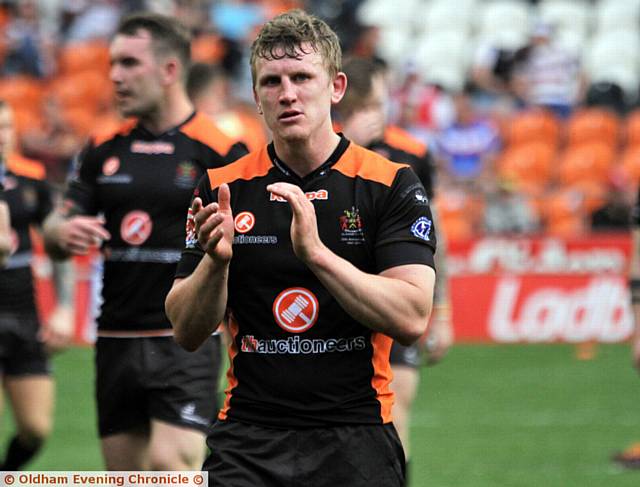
{"x": 139, "y": 379}
{"x": 21, "y": 352}
{"x": 405, "y": 356}
{"x": 244, "y": 455}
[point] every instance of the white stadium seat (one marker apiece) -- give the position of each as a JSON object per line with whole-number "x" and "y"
{"x": 566, "y": 14}
{"x": 617, "y": 14}
{"x": 504, "y": 14}
{"x": 446, "y": 15}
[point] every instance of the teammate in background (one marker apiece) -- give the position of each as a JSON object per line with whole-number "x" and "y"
{"x": 24, "y": 363}
{"x": 318, "y": 254}
{"x": 362, "y": 114}
{"x": 630, "y": 458}
{"x": 208, "y": 88}
{"x": 128, "y": 195}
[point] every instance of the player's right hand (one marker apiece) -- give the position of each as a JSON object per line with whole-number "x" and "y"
{"x": 80, "y": 233}
{"x": 214, "y": 225}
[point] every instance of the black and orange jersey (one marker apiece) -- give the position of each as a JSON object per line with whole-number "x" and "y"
{"x": 297, "y": 358}
{"x": 422, "y": 165}
{"x": 142, "y": 183}
{"x": 29, "y": 200}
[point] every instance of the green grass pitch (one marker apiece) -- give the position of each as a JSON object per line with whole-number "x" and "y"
{"x": 517, "y": 415}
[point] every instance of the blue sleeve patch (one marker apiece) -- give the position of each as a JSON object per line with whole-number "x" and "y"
{"x": 421, "y": 228}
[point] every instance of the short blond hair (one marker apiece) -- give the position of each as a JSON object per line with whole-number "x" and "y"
{"x": 284, "y": 36}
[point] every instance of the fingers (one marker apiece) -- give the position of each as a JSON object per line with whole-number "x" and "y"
{"x": 224, "y": 197}
{"x": 293, "y": 194}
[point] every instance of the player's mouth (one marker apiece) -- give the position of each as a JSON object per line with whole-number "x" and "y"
{"x": 290, "y": 116}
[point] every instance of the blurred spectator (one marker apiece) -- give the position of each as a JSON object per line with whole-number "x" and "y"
{"x": 208, "y": 89}
{"x": 28, "y": 47}
{"x": 466, "y": 150}
{"x": 54, "y": 143}
{"x": 421, "y": 109}
{"x": 548, "y": 75}
{"x": 615, "y": 214}
{"x": 508, "y": 212}
{"x": 92, "y": 20}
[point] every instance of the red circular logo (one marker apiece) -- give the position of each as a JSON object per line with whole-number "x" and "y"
{"x": 244, "y": 221}
{"x": 136, "y": 227}
{"x": 296, "y": 309}
{"x": 111, "y": 166}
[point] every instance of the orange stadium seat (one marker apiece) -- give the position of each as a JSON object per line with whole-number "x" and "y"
{"x": 593, "y": 124}
{"x": 84, "y": 56}
{"x": 532, "y": 126}
{"x": 564, "y": 212}
{"x": 632, "y": 129}
{"x": 528, "y": 165}
{"x": 26, "y": 119}
{"x": 21, "y": 92}
{"x": 589, "y": 162}
{"x": 83, "y": 89}
{"x": 459, "y": 213}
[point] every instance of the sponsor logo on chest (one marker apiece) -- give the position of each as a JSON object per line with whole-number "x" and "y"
{"x": 155, "y": 147}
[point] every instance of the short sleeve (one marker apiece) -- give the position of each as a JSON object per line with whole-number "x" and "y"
{"x": 192, "y": 253}
{"x": 405, "y": 232}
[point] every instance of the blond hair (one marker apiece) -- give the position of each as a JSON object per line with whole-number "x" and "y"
{"x": 285, "y": 35}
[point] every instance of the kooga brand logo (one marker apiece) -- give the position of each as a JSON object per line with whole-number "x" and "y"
{"x": 321, "y": 194}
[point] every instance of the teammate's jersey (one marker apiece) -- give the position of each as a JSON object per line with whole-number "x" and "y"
{"x": 297, "y": 358}
{"x": 29, "y": 199}
{"x": 422, "y": 165}
{"x": 142, "y": 184}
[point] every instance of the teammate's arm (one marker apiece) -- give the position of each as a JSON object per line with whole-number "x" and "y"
{"x": 196, "y": 304}
{"x": 5, "y": 233}
{"x": 397, "y": 302}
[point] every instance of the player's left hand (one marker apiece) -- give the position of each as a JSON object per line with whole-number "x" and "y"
{"x": 304, "y": 226}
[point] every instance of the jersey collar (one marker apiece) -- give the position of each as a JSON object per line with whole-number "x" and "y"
{"x": 147, "y": 133}
{"x": 320, "y": 171}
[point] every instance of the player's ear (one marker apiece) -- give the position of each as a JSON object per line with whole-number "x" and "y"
{"x": 339, "y": 86}
{"x": 172, "y": 70}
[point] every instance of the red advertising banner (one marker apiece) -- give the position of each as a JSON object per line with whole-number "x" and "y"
{"x": 541, "y": 289}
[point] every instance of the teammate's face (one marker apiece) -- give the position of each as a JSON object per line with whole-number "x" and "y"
{"x": 136, "y": 74}
{"x": 296, "y": 95}
{"x": 6, "y": 130}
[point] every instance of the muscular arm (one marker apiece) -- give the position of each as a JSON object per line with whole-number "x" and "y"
{"x": 74, "y": 235}
{"x": 397, "y": 302}
{"x": 5, "y": 233}
{"x": 196, "y": 304}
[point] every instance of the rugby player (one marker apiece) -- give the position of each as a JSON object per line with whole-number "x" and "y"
{"x": 24, "y": 363}
{"x": 319, "y": 255}
{"x": 362, "y": 117}
{"x": 128, "y": 196}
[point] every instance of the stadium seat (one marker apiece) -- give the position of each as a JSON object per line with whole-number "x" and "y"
{"x": 22, "y": 92}
{"x": 458, "y": 213}
{"x": 615, "y": 48}
{"x": 498, "y": 15}
{"x": 26, "y": 119}
{"x": 385, "y": 13}
{"x": 564, "y": 15}
{"x": 587, "y": 162}
{"x": 564, "y": 212}
{"x": 532, "y": 126}
{"x": 593, "y": 124}
{"x": 394, "y": 45}
{"x": 528, "y": 165}
{"x": 616, "y": 14}
{"x": 84, "y": 56}
{"x": 82, "y": 89}
{"x": 443, "y": 15}
{"x": 444, "y": 54}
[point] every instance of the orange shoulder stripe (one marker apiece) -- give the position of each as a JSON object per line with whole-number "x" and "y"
{"x": 361, "y": 162}
{"x": 401, "y": 139}
{"x": 203, "y": 129}
{"x": 253, "y": 165}
{"x": 100, "y": 137}
{"x": 232, "y": 380}
{"x": 382, "y": 374}
{"x": 28, "y": 168}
